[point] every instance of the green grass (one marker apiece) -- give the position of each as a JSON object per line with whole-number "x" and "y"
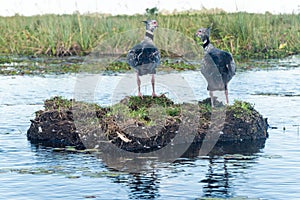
{"x": 57, "y": 102}
{"x": 241, "y": 109}
{"x": 245, "y": 35}
{"x": 145, "y": 110}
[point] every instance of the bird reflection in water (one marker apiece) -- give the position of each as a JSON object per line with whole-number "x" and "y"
{"x": 141, "y": 185}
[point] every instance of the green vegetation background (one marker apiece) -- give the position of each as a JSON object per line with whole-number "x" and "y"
{"x": 245, "y": 35}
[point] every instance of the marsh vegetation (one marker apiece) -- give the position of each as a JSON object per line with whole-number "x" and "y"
{"x": 245, "y": 35}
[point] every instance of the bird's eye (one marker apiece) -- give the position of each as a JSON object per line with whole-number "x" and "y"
{"x": 154, "y": 23}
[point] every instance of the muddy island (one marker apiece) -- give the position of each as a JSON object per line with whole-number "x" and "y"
{"x": 143, "y": 125}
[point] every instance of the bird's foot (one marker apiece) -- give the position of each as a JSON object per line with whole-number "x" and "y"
{"x": 140, "y": 95}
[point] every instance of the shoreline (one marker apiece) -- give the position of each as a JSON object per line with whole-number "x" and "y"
{"x": 42, "y": 65}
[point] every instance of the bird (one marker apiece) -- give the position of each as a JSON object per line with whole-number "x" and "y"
{"x": 218, "y": 66}
{"x": 144, "y": 57}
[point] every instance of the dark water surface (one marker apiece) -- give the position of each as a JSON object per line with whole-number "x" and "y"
{"x": 268, "y": 172}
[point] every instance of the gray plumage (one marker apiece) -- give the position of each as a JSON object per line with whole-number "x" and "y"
{"x": 218, "y": 69}
{"x": 145, "y": 57}
{"x": 218, "y": 66}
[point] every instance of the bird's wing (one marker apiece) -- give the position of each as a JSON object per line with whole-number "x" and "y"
{"x": 230, "y": 64}
{"x": 133, "y": 55}
{"x": 209, "y": 68}
{"x": 143, "y": 53}
{"x": 223, "y": 60}
{"x": 231, "y": 67}
{"x": 152, "y": 54}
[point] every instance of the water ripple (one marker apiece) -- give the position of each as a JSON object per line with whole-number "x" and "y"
{"x": 272, "y": 172}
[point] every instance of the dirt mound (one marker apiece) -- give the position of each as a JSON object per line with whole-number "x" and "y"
{"x": 143, "y": 125}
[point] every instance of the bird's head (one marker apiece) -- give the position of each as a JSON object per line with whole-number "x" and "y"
{"x": 203, "y": 34}
{"x": 151, "y": 25}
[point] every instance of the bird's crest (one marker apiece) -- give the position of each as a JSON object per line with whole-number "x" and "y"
{"x": 207, "y": 30}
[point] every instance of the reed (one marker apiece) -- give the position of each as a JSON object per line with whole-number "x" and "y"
{"x": 245, "y": 35}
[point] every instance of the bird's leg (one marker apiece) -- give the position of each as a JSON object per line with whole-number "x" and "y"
{"x": 226, "y": 94}
{"x": 211, "y": 98}
{"x": 139, "y": 85}
{"x": 153, "y": 88}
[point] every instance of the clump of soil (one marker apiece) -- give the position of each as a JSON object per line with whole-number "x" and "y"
{"x": 241, "y": 121}
{"x": 142, "y": 125}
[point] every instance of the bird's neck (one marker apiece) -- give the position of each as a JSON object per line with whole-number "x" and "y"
{"x": 149, "y": 34}
{"x": 206, "y": 42}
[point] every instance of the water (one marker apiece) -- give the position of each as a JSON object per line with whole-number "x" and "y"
{"x": 272, "y": 172}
